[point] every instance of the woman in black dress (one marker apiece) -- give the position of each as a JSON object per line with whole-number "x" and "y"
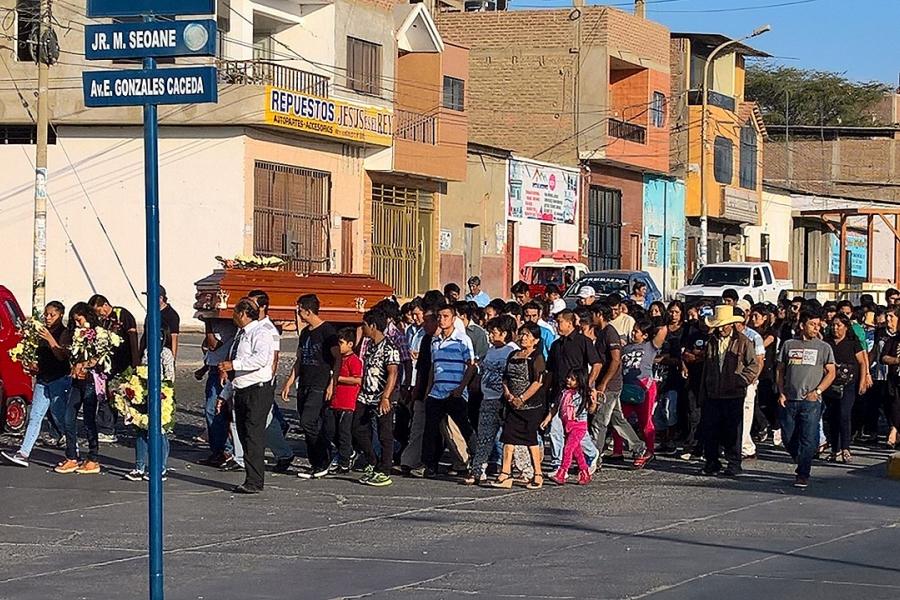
{"x": 526, "y": 406}
{"x": 852, "y": 362}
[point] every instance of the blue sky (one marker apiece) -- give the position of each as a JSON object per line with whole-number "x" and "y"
{"x": 856, "y": 37}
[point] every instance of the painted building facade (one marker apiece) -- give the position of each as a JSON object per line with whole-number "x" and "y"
{"x": 664, "y": 232}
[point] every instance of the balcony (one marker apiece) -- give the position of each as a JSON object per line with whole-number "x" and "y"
{"x": 695, "y": 98}
{"x": 415, "y": 127}
{"x": 256, "y": 72}
{"x": 629, "y": 132}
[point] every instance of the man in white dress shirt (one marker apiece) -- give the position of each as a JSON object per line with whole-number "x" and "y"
{"x": 250, "y": 372}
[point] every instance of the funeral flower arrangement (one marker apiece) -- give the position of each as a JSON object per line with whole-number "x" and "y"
{"x": 252, "y": 262}
{"x": 25, "y": 352}
{"x": 129, "y": 393}
{"x": 94, "y": 345}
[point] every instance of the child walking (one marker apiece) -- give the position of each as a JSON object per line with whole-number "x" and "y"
{"x": 339, "y": 419}
{"x": 574, "y": 405}
{"x": 142, "y": 436}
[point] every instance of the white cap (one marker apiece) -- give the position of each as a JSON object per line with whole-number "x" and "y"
{"x": 586, "y": 292}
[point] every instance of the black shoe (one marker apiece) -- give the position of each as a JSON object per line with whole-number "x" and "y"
{"x": 230, "y": 465}
{"x": 282, "y": 466}
{"x": 709, "y": 471}
{"x": 310, "y": 473}
{"x": 731, "y": 472}
{"x": 216, "y": 460}
{"x": 242, "y": 489}
{"x": 430, "y": 473}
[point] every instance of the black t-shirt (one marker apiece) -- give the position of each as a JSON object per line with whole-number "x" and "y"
{"x": 51, "y": 367}
{"x": 314, "y": 356}
{"x": 423, "y": 366}
{"x": 120, "y": 321}
{"x": 569, "y": 352}
{"x": 845, "y": 352}
{"x": 694, "y": 339}
{"x": 608, "y": 340}
{"x": 670, "y": 374}
{"x": 169, "y": 318}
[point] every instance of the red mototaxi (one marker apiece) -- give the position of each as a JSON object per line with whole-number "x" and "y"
{"x": 15, "y": 383}
{"x": 561, "y": 270}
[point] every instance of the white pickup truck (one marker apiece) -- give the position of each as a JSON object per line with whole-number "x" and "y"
{"x": 754, "y": 279}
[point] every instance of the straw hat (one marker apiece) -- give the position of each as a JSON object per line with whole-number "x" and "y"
{"x": 724, "y": 315}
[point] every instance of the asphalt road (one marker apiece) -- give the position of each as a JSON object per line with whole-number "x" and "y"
{"x": 664, "y": 533}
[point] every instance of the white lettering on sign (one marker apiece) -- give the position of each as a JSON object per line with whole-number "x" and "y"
{"x": 148, "y": 86}
{"x": 100, "y": 89}
{"x": 161, "y": 38}
{"x": 100, "y": 42}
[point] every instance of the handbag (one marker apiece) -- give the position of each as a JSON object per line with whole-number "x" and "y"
{"x": 635, "y": 394}
{"x": 844, "y": 375}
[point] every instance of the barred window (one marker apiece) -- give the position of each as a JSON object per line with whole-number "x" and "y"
{"x": 363, "y": 66}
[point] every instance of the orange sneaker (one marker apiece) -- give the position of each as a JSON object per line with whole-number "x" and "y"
{"x": 67, "y": 466}
{"x": 88, "y": 467}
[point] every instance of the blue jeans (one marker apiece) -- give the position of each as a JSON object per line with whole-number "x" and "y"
{"x": 216, "y": 424}
{"x": 558, "y": 441}
{"x": 52, "y": 395}
{"x": 800, "y": 421}
{"x": 142, "y": 450}
{"x": 82, "y": 397}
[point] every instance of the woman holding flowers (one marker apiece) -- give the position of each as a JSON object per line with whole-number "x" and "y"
{"x": 130, "y": 398}
{"x": 44, "y": 353}
{"x": 91, "y": 349}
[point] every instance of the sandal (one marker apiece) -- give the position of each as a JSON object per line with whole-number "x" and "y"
{"x": 536, "y": 483}
{"x": 504, "y": 481}
{"x": 846, "y": 456}
{"x": 469, "y": 479}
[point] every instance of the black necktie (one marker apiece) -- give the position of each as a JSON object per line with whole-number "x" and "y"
{"x": 234, "y": 346}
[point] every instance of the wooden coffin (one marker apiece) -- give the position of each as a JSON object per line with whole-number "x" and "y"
{"x": 343, "y": 298}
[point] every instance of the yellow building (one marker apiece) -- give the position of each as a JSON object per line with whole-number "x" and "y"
{"x": 732, "y": 144}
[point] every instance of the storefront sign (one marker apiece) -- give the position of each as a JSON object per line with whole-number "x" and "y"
{"x": 859, "y": 254}
{"x": 332, "y": 118}
{"x": 542, "y": 193}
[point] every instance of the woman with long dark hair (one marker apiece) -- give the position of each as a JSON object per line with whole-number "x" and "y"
{"x": 671, "y": 383}
{"x": 890, "y": 356}
{"x": 852, "y": 363}
{"x": 82, "y": 396}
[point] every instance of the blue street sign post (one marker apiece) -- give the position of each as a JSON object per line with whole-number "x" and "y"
{"x": 155, "y": 39}
{"x": 149, "y": 87}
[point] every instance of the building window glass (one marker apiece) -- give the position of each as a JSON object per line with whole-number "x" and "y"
{"x": 653, "y": 248}
{"x": 658, "y": 110}
{"x": 748, "y": 157}
{"x": 723, "y": 160}
{"x": 454, "y": 93}
{"x": 547, "y": 237}
{"x": 27, "y": 17}
{"x": 363, "y": 66}
{"x": 764, "y": 248}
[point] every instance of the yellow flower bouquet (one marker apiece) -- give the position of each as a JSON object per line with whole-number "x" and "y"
{"x": 25, "y": 352}
{"x": 129, "y": 392}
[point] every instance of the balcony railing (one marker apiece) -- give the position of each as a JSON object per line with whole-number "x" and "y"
{"x": 256, "y": 72}
{"x": 415, "y": 127}
{"x": 629, "y": 132}
{"x": 695, "y": 98}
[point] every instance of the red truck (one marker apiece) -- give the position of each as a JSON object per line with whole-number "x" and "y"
{"x": 15, "y": 383}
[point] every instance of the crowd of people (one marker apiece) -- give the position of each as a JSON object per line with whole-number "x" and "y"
{"x": 510, "y": 391}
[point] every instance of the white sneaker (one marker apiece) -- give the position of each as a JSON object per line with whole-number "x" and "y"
{"x": 776, "y": 438}
{"x": 592, "y": 466}
{"x": 18, "y": 458}
{"x": 107, "y": 438}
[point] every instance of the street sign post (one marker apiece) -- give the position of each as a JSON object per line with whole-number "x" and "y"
{"x": 145, "y": 40}
{"x": 150, "y": 87}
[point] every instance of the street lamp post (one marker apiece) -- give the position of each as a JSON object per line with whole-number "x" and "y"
{"x": 704, "y": 204}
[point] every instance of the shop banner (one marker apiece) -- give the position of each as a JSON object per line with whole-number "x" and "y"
{"x": 541, "y": 192}
{"x": 859, "y": 254}
{"x": 332, "y": 118}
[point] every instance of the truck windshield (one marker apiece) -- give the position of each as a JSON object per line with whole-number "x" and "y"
{"x": 723, "y": 276}
{"x": 547, "y": 275}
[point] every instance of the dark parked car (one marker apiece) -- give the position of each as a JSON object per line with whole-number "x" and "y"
{"x": 613, "y": 282}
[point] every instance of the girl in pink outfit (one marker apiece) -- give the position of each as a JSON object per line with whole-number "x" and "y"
{"x": 574, "y": 404}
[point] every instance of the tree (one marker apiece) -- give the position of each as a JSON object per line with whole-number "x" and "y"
{"x": 816, "y": 97}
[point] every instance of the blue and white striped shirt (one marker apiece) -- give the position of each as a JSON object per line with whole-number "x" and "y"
{"x": 450, "y": 356}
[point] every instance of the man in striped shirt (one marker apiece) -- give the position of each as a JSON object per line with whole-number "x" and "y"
{"x": 453, "y": 366}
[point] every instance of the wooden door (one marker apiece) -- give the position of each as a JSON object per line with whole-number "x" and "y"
{"x": 347, "y": 245}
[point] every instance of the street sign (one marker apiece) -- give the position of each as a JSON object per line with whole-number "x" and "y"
{"x": 97, "y": 9}
{"x": 154, "y": 39}
{"x": 187, "y": 85}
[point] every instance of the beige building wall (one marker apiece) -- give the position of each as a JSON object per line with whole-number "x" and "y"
{"x": 777, "y": 223}
{"x": 202, "y": 212}
{"x": 479, "y": 200}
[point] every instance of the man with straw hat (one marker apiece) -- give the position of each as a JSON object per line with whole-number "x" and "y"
{"x": 729, "y": 368}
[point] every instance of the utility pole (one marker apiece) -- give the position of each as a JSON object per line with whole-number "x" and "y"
{"x": 43, "y": 56}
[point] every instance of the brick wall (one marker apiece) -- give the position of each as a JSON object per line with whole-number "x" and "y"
{"x": 846, "y": 167}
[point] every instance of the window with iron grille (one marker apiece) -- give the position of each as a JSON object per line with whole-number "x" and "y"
{"x": 748, "y": 157}
{"x": 658, "y": 110}
{"x": 604, "y": 228}
{"x": 403, "y": 242}
{"x": 653, "y": 249}
{"x": 291, "y": 208}
{"x": 23, "y": 135}
{"x": 363, "y": 66}
{"x": 454, "y": 93}
{"x": 547, "y": 237}
{"x": 764, "y": 247}
{"x": 723, "y": 160}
